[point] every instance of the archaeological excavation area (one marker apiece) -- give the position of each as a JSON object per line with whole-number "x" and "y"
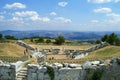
{"x": 59, "y": 63}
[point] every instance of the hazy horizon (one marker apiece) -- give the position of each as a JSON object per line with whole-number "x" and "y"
{"x": 64, "y": 30}
{"x": 60, "y": 15}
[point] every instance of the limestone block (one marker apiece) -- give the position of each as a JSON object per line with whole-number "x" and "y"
{"x": 42, "y": 69}
{"x": 58, "y": 65}
{"x": 95, "y": 62}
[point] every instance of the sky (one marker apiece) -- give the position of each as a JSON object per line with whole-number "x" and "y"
{"x": 62, "y": 15}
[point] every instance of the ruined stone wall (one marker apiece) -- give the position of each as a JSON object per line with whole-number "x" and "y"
{"x": 96, "y": 70}
{"x": 89, "y": 71}
{"x": 7, "y": 72}
{"x": 23, "y": 44}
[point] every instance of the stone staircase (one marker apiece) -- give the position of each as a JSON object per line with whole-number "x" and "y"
{"x": 22, "y": 74}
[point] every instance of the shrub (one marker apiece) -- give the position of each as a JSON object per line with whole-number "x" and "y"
{"x": 48, "y": 41}
{"x": 118, "y": 61}
{"x": 50, "y": 72}
{"x": 60, "y": 40}
{"x": 97, "y": 74}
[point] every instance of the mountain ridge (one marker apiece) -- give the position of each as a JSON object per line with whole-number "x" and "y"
{"x": 70, "y": 35}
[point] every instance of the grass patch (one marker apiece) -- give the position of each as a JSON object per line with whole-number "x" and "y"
{"x": 108, "y": 51}
{"x": 1, "y": 51}
{"x": 104, "y": 53}
{"x": 11, "y": 49}
{"x": 25, "y": 65}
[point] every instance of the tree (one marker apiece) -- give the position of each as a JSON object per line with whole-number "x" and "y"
{"x": 118, "y": 42}
{"x": 98, "y": 41}
{"x": 10, "y": 37}
{"x": 40, "y": 40}
{"x": 1, "y": 36}
{"x": 31, "y": 40}
{"x": 105, "y": 38}
{"x": 48, "y": 41}
{"x": 111, "y": 39}
{"x": 60, "y": 40}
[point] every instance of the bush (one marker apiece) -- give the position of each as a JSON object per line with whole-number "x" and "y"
{"x": 118, "y": 61}
{"x": 1, "y": 36}
{"x": 50, "y": 72}
{"x": 98, "y": 41}
{"x": 40, "y": 40}
{"x": 10, "y": 37}
{"x": 48, "y": 41}
{"x": 97, "y": 74}
{"x": 59, "y": 40}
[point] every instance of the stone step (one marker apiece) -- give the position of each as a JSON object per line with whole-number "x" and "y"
{"x": 21, "y": 79}
{"x": 18, "y": 79}
{"x": 24, "y": 69}
{"x": 22, "y": 74}
{"x": 25, "y": 72}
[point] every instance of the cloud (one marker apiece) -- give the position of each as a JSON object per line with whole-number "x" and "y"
{"x": 33, "y": 20}
{"x": 94, "y": 21}
{"x": 53, "y": 13}
{"x": 17, "y": 20}
{"x": 102, "y": 1}
{"x": 15, "y": 5}
{"x": 63, "y": 4}
{"x": 103, "y": 10}
{"x": 62, "y": 19}
{"x": 1, "y": 17}
{"x": 99, "y": 1}
{"x": 3, "y": 12}
{"x": 114, "y": 18}
{"x": 113, "y": 15}
{"x": 45, "y": 19}
{"x": 33, "y": 15}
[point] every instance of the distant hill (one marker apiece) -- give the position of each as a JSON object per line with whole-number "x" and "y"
{"x": 70, "y": 35}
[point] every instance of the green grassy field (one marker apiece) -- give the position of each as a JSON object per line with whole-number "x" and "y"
{"x": 109, "y": 51}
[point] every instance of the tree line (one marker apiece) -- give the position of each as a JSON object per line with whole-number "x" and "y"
{"x": 112, "y": 39}
{"x": 7, "y": 37}
{"x": 59, "y": 40}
